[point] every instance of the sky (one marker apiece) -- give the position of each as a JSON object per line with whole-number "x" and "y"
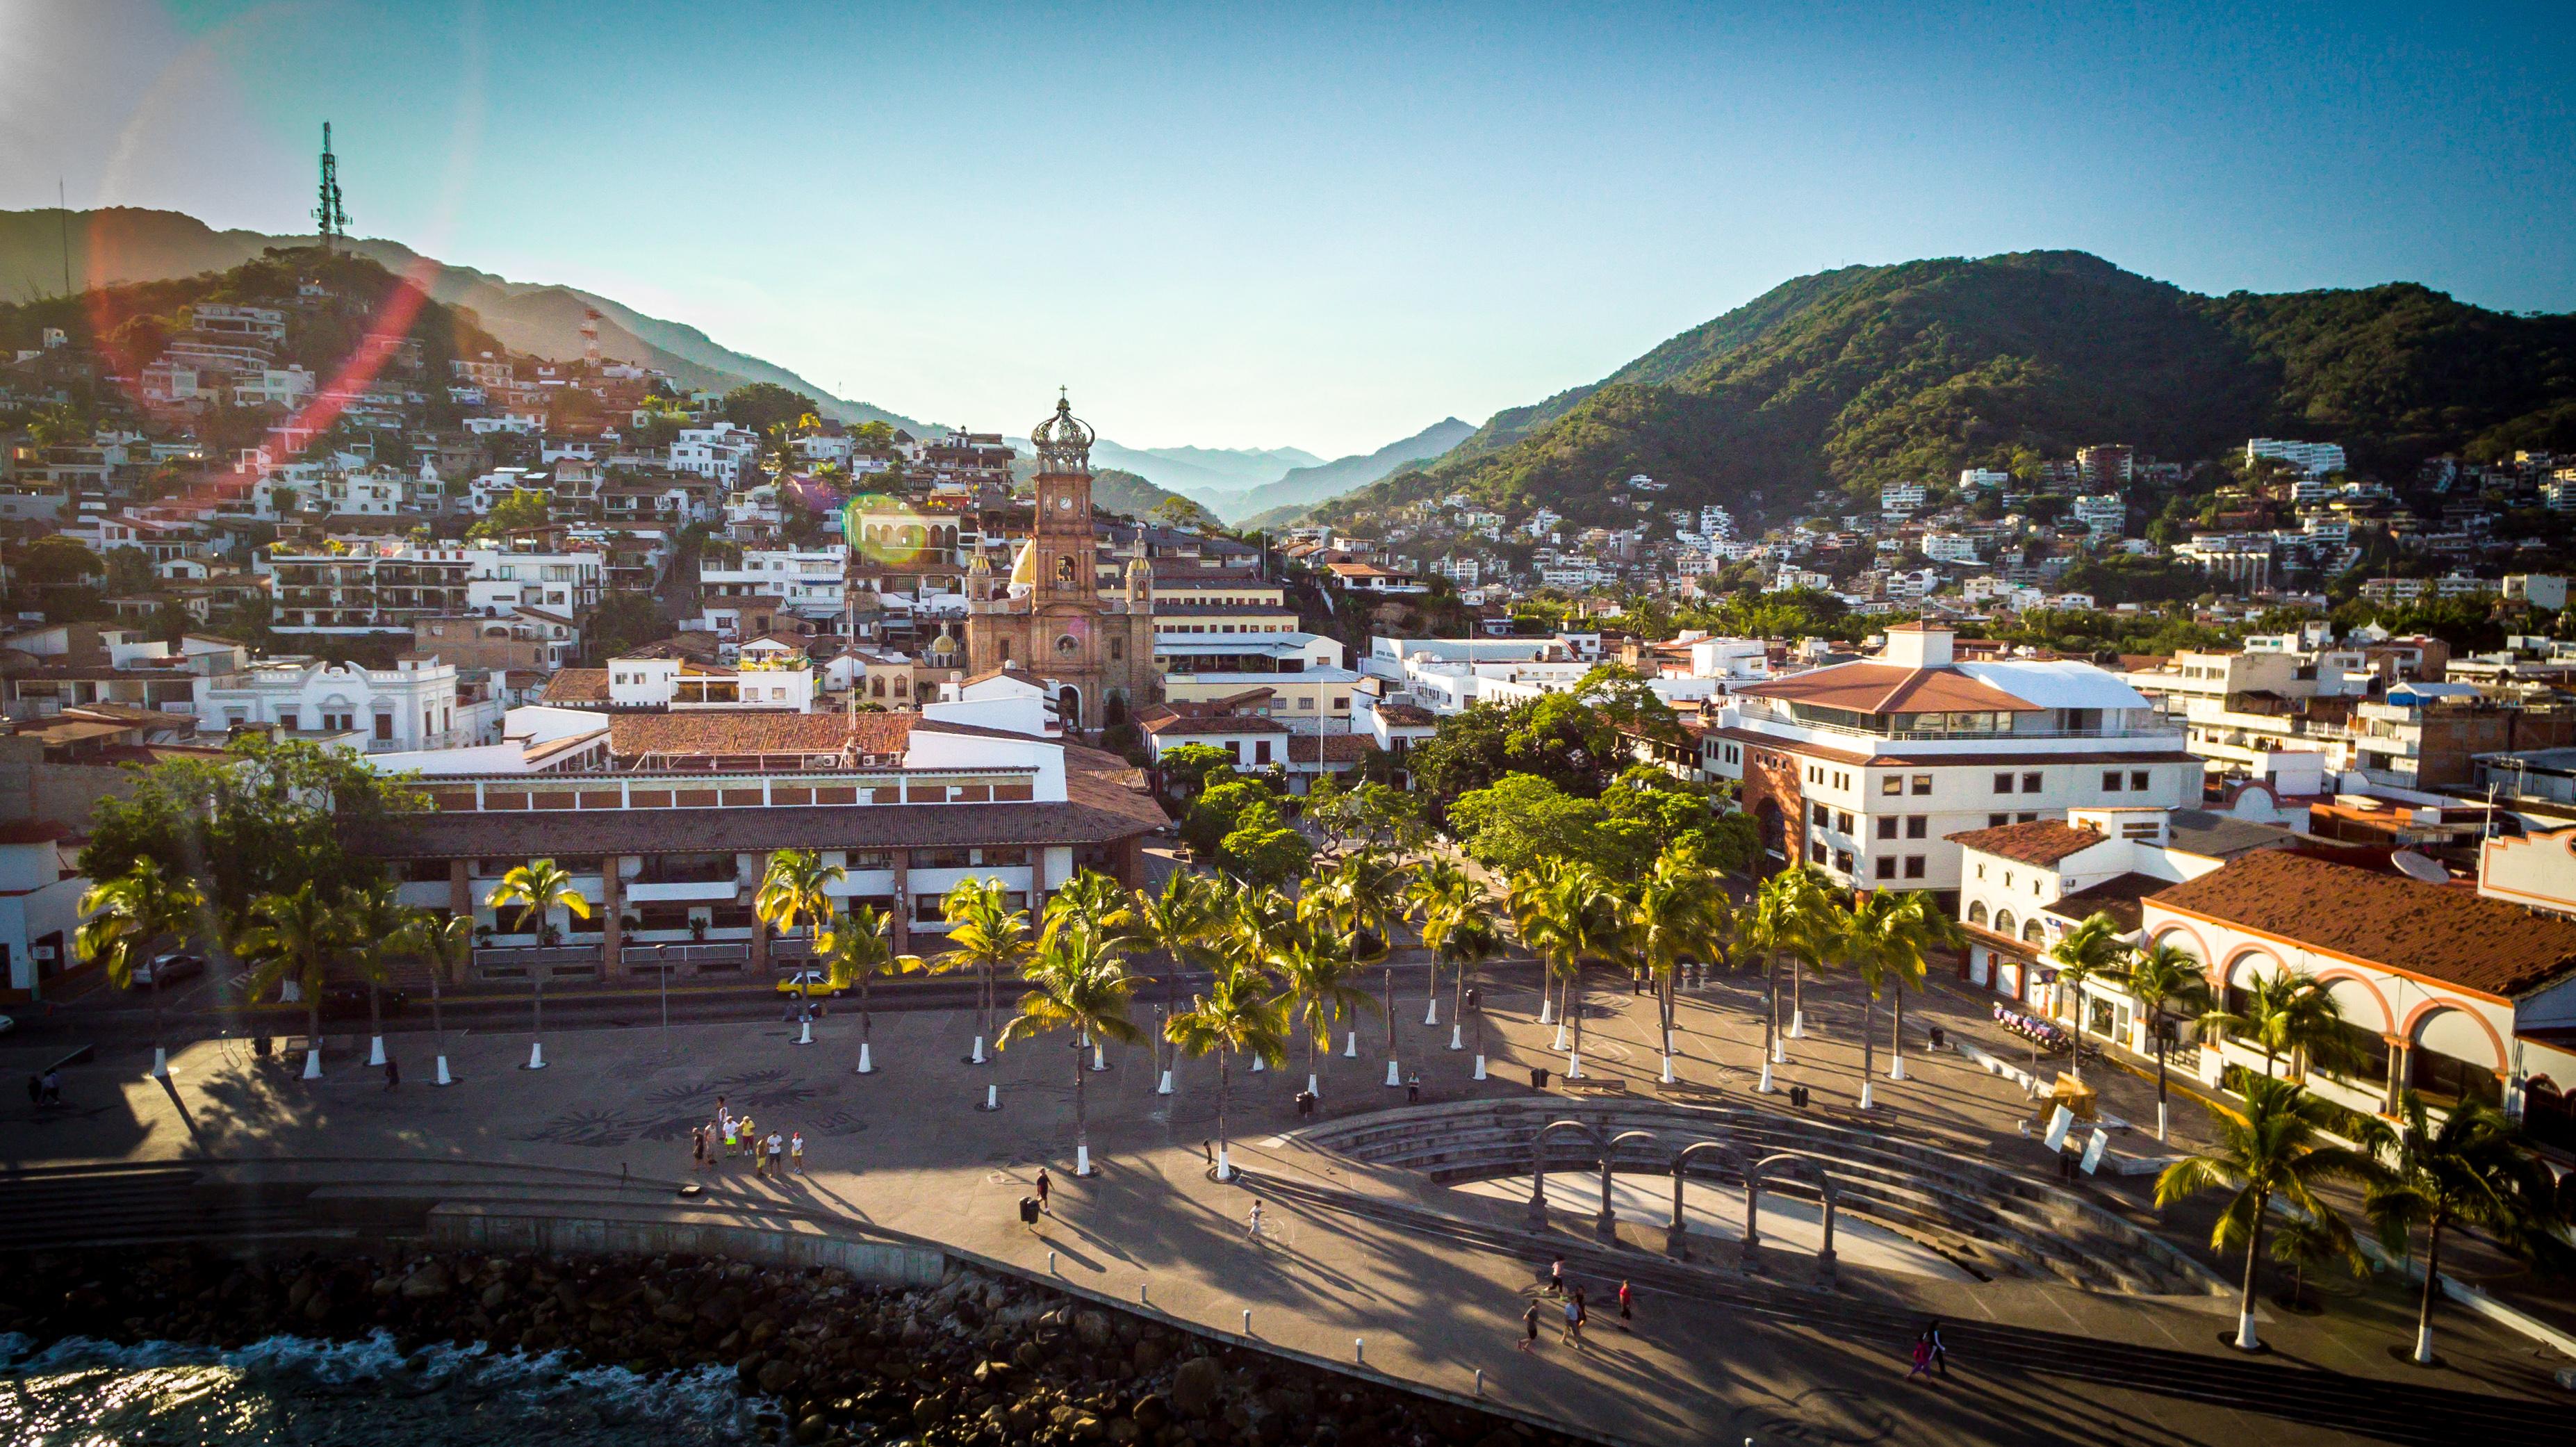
{"x": 1234, "y": 225}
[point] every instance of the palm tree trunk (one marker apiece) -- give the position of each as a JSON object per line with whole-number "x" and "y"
{"x": 2253, "y": 1257}
{"x": 2157, "y": 1025}
{"x": 1574, "y": 1007}
{"x": 1771, "y": 1005}
{"x": 1868, "y": 1038}
{"x": 2432, "y": 1284}
{"x": 1458, "y": 987}
{"x": 1896, "y": 1034}
{"x": 866, "y": 1020}
{"x": 313, "y": 1020}
{"x": 1081, "y": 1115}
{"x": 1221, "y": 1081}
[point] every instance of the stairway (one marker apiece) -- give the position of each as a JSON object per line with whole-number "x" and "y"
{"x": 74, "y": 1207}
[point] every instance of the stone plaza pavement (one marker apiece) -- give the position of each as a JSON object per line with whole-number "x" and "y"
{"x": 906, "y": 1149}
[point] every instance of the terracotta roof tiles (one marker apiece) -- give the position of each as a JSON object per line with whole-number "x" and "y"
{"x": 1887, "y": 688}
{"x": 2041, "y": 842}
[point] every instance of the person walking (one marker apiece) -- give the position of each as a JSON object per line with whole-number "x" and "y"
{"x": 1252, "y": 1231}
{"x": 1556, "y": 1277}
{"x": 1529, "y": 1327}
{"x": 1565, "y": 1334}
{"x": 1627, "y": 1306}
{"x": 698, "y": 1149}
{"x": 1046, "y": 1191}
{"x": 393, "y": 1072}
{"x": 1922, "y": 1357}
{"x": 796, "y": 1152}
{"x": 1940, "y": 1353}
{"x": 1582, "y": 1312}
{"x": 1413, "y": 1090}
{"x": 53, "y": 1085}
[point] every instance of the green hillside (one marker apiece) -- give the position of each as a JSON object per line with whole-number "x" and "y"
{"x": 1847, "y": 379}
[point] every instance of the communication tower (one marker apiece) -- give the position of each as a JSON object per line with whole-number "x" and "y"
{"x": 334, "y": 221}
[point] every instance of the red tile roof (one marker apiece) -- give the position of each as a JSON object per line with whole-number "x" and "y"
{"x": 1887, "y": 688}
{"x": 2430, "y": 931}
{"x": 709, "y": 735}
{"x": 2042, "y": 842}
{"x": 1329, "y": 748}
{"x": 576, "y": 686}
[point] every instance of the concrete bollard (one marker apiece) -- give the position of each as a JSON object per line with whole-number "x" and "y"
{"x": 1050, "y": 1263}
{"x": 1480, "y": 1381}
{"x": 375, "y": 1052}
{"x": 1393, "y": 1079}
{"x": 443, "y": 1077}
{"x": 1247, "y": 1321}
{"x": 1166, "y": 1087}
{"x": 1480, "y": 1067}
{"x": 866, "y": 1066}
{"x": 992, "y": 1098}
{"x": 536, "y": 1055}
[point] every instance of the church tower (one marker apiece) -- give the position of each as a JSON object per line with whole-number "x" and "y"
{"x": 1065, "y": 553}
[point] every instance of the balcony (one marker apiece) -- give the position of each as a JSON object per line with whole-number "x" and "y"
{"x": 1759, "y": 713}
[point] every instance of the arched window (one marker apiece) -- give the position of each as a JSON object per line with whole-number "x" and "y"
{"x": 1977, "y": 912}
{"x": 2005, "y": 923}
{"x": 903, "y": 685}
{"x": 2031, "y": 933}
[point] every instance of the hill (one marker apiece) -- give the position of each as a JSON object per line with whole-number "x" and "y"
{"x": 1212, "y": 471}
{"x": 1305, "y": 486}
{"x": 1832, "y": 384}
{"x": 133, "y": 244}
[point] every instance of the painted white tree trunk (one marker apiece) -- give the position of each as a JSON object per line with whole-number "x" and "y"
{"x": 2245, "y": 1331}
{"x": 1351, "y": 1046}
{"x": 313, "y": 1063}
{"x": 1165, "y": 1087}
{"x": 978, "y": 1056}
{"x": 1082, "y": 1160}
{"x": 536, "y": 1055}
{"x": 1431, "y": 1016}
{"x": 376, "y": 1050}
{"x": 1480, "y": 1068}
{"x": 1765, "y": 1087}
{"x": 1457, "y": 1036}
{"x": 1391, "y": 1077}
{"x": 866, "y": 1065}
{"x": 160, "y": 1063}
{"x": 443, "y": 1078}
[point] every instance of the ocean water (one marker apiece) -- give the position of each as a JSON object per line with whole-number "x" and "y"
{"x": 294, "y": 1390}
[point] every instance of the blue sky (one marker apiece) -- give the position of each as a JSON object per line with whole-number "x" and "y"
{"x": 1232, "y": 225}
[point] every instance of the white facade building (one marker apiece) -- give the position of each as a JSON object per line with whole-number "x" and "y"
{"x": 414, "y": 705}
{"x": 2313, "y": 458}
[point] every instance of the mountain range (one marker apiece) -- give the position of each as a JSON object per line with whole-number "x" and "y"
{"x": 1274, "y": 503}
{"x": 1830, "y": 385}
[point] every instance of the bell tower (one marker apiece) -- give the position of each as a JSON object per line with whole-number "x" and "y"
{"x": 1064, "y": 552}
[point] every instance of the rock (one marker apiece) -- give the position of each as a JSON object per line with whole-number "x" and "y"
{"x": 1151, "y": 1412}
{"x": 1194, "y": 1386}
{"x": 776, "y": 1374}
{"x": 495, "y": 1295}
{"x": 427, "y": 1280}
{"x": 301, "y": 1292}
{"x": 1090, "y": 1328}
{"x": 1147, "y": 1358}
{"x": 813, "y": 1428}
{"x": 928, "y": 1412}
{"x": 316, "y": 1307}
{"x": 1124, "y": 1430}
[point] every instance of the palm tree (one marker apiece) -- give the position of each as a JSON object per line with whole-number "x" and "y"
{"x": 2092, "y": 950}
{"x": 1526, "y": 896}
{"x": 1239, "y": 1012}
{"x": 376, "y": 920}
{"x": 2166, "y": 983}
{"x": 1075, "y": 982}
{"x": 537, "y": 887}
{"x": 795, "y": 891}
{"x": 1860, "y": 933}
{"x": 2291, "y": 1014}
{"x": 858, "y": 947}
{"x": 2270, "y": 1148}
{"x": 1091, "y": 898}
{"x": 294, "y": 937}
{"x": 1439, "y": 885}
{"x": 1671, "y": 917}
{"x": 444, "y": 945}
{"x": 1474, "y": 937}
{"x": 1179, "y": 923}
{"x": 987, "y": 936}
{"x": 1314, "y": 958}
{"x": 1788, "y": 915}
{"x": 1917, "y": 928}
{"x": 126, "y": 916}
{"x": 2470, "y": 1170}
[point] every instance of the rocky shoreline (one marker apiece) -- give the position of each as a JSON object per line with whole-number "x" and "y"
{"x": 978, "y": 1359}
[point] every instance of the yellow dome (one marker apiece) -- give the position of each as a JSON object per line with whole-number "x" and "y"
{"x": 1024, "y": 568}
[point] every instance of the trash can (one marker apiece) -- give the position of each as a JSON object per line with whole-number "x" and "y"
{"x": 1937, "y": 1037}
{"x": 1798, "y": 1096}
{"x": 1538, "y": 1077}
{"x": 1028, "y": 1210}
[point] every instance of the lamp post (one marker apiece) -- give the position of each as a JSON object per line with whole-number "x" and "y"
{"x": 662, "y": 967}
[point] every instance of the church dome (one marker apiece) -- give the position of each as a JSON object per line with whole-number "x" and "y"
{"x": 1024, "y": 568}
{"x": 1063, "y": 441}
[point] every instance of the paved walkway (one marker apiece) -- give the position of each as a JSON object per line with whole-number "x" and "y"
{"x": 906, "y": 1149}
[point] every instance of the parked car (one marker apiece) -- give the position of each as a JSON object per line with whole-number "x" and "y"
{"x": 167, "y": 969}
{"x": 345, "y": 1002}
{"x": 809, "y": 981}
{"x": 8, "y": 1023}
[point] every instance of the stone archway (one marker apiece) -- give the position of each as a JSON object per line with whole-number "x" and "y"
{"x": 1068, "y": 706}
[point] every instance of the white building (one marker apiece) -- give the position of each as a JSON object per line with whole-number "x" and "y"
{"x": 2313, "y": 458}
{"x": 413, "y": 705}
{"x": 808, "y": 584}
{"x": 722, "y": 452}
{"x": 1866, "y": 769}
{"x": 1973, "y": 478}
{"x": 2107, "y": 514}
{"x": 1901, "y": 498}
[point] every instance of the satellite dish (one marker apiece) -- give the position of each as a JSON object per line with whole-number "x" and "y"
{"x": 2419, "y": 866}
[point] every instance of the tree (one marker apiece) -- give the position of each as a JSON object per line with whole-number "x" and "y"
{"x": 1557, "y": 737}
{"x": 1177, "y": 511}
{"x": 54, "y": 561}
{"x": 1673, "y": 915}
{"x": 1569, "y": 911}
{"x": 1179, "y": 923}
{"x": 625, "y": 621}
{"x": 2473, "y": 1170}
{"x": 1314, "y": 958}
{"x": 1788, "y": 915}
{"x": 1443, "y": 895}
{"x": 1263, "y": 850}
{"x": 759, "y": 406}
{"x": 1239, "y": 1013}
{"x": 794, "y": 893}
{"x": 859, "y": 948}
{"x": 521, "y": 509}
{"x": 1917, "y": 928}
{"x": 538, "y": 887}
{"x": 2269, "y": 1148}
{"x": 2299, "y": 1242}
{"x": 2166, "y": 983}
{"x": 987, "y": 936}
{"x": 267, "y": 817}
{"x": 445, "y": 946}
{"x": 1076, "y": 982}
{"x": 125, "y": 917}
{"x": 2286, "y": 1013}
{"x": 294, "y": 939}
{"x": 1220, "y": 809}
{"x": 1521, "y": 820}
{"x": 376, "y": 918}
{"x": 2092, "y": 950}
{"x": 1185, "y": 769}
{"x": 130, "y": 572}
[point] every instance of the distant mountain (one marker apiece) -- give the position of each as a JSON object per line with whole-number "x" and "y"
{"x": 1121, "y": 491}
{"x": 1214, "y": 470}
{"x": 1828, "y": 386}
{"x": 1307, "y": 486}
{"x": 122, "y": 244}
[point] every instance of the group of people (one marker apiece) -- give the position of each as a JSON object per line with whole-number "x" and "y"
{"x": 776, "y": 1154}
{"x": 1577, "y": 1307}
{"x": 46, "y": 1088}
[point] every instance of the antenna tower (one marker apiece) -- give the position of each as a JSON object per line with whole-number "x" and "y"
{"x": 334, "y": 221}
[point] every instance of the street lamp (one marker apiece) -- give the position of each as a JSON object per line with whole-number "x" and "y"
{"x": 662, "y": 967}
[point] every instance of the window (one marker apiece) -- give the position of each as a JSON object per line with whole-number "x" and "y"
{"x": 1981, "y": 871}
{"x": 2031, "y": 933}
{"x": 2026, "y": 819}
{"x": 1923, "y": 783}
{"x": 1117, "y": 649}
{"x": 1815, "y": 775}
{"x": 1977, "y": 912}
{"x": 1887, "y": 826}
{"x": 1887, "y": 866}
{"x": 2138, "y": 780}
{"x": 2030, "y": 783}
{"x": 1732, "y": 756}
{"x": 1842, "y": 824}
{"x": 1917, "y": 826}
{"x": 1842, "y": 861}
{"x": 1997, "y": 821}
{"x": 2110, "y": 781}
{"x": 2003, "y": 783}
{"x": 1816, "y": 851}
{"x": 1261, "y": 752}
{"x": 1892, "y": 784}
{"x": 1914, "y": 866}
{"x": 1823, "y": 815}
{"x": 2005, "y": 924}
